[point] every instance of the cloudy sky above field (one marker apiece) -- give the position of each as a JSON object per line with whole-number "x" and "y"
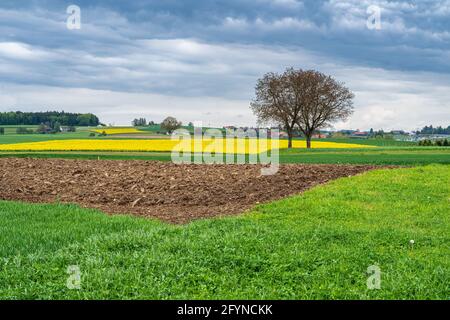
{"x": 199, "y": 59}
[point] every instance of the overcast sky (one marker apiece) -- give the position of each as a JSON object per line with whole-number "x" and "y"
{"x": 199, "y": 60}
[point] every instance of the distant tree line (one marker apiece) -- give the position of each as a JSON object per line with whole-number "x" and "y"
{"x": 376, "y": 133}
{"x": 168, "y": 125}
{"x": 436, "y": 143}
{"x": 142, "y": 122}
{"x": 432, "y": 130}
{"x": 49, "y": 117}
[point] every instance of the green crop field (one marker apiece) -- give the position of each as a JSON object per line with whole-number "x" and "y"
{"x": 372, "y": 142}
{"x": 381, "y": 156}
{"x": 318, "y": 245}
{"x": 18, "y": 138}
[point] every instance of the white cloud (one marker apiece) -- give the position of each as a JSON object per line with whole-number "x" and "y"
{"x": 273, "y": 25}
{"x": 21, "y": 51}
{"x": 292, "y": 4}
{"x": 185, "y": 66}
{"x": 121, "y": 107}
{"x": 384, "y": 99}
{"x": 397, "y": 100}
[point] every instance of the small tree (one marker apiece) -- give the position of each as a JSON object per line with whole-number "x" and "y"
{"x": 56, "y": 127}
{"x": 2, "y": 131}
{"x": 43, "y": 128}
{"x": 141, "y": 122}
{"x": 170, "y": 124}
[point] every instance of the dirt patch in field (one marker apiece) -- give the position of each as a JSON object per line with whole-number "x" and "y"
{"x": 170, "y": 192}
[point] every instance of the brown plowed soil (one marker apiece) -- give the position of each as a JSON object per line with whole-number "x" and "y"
{"x": 163, "y": 190}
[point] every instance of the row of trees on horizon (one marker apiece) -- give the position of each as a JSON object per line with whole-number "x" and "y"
{"x": 431, "y": 130}
{"x": 49, "y": 117}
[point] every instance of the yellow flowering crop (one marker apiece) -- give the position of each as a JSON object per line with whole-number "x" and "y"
{"x": 248, "y": 146}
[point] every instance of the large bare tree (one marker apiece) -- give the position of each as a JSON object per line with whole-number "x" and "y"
{"x": 272, "y": 103}
{"x": 303, "y": 100}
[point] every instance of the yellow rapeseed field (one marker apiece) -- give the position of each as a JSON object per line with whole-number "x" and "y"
{"x": 323, "y": 145}
{"x": 118, "y": 130}
{"x": 248, "y": 146}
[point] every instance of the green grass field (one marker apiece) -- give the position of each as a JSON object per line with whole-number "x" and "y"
{"x": 18, "y": 138}
{"x": 312, "y": 246}
{"x": 378, "y": 156}
{"x": 372, "y": 142}
{"x": 11, "y": 136}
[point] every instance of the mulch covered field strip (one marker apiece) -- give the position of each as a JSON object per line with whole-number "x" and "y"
{"x": 162, "y": 190}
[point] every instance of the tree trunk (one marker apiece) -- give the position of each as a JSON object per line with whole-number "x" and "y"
{"x": 289, "y": 140}
{"x": 308, "y": 141}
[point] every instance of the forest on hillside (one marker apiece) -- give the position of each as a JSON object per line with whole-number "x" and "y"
{"x": 48, "y": 117}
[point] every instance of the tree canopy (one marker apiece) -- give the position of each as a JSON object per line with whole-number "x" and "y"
{"x": 434, "y": 130}
{"x": 49, "y": 117}
{"x": 304, "y": 100}
{"x": 170, "y": 124}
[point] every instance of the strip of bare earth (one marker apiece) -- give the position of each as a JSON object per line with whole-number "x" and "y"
{"x": 162, "y": 190}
